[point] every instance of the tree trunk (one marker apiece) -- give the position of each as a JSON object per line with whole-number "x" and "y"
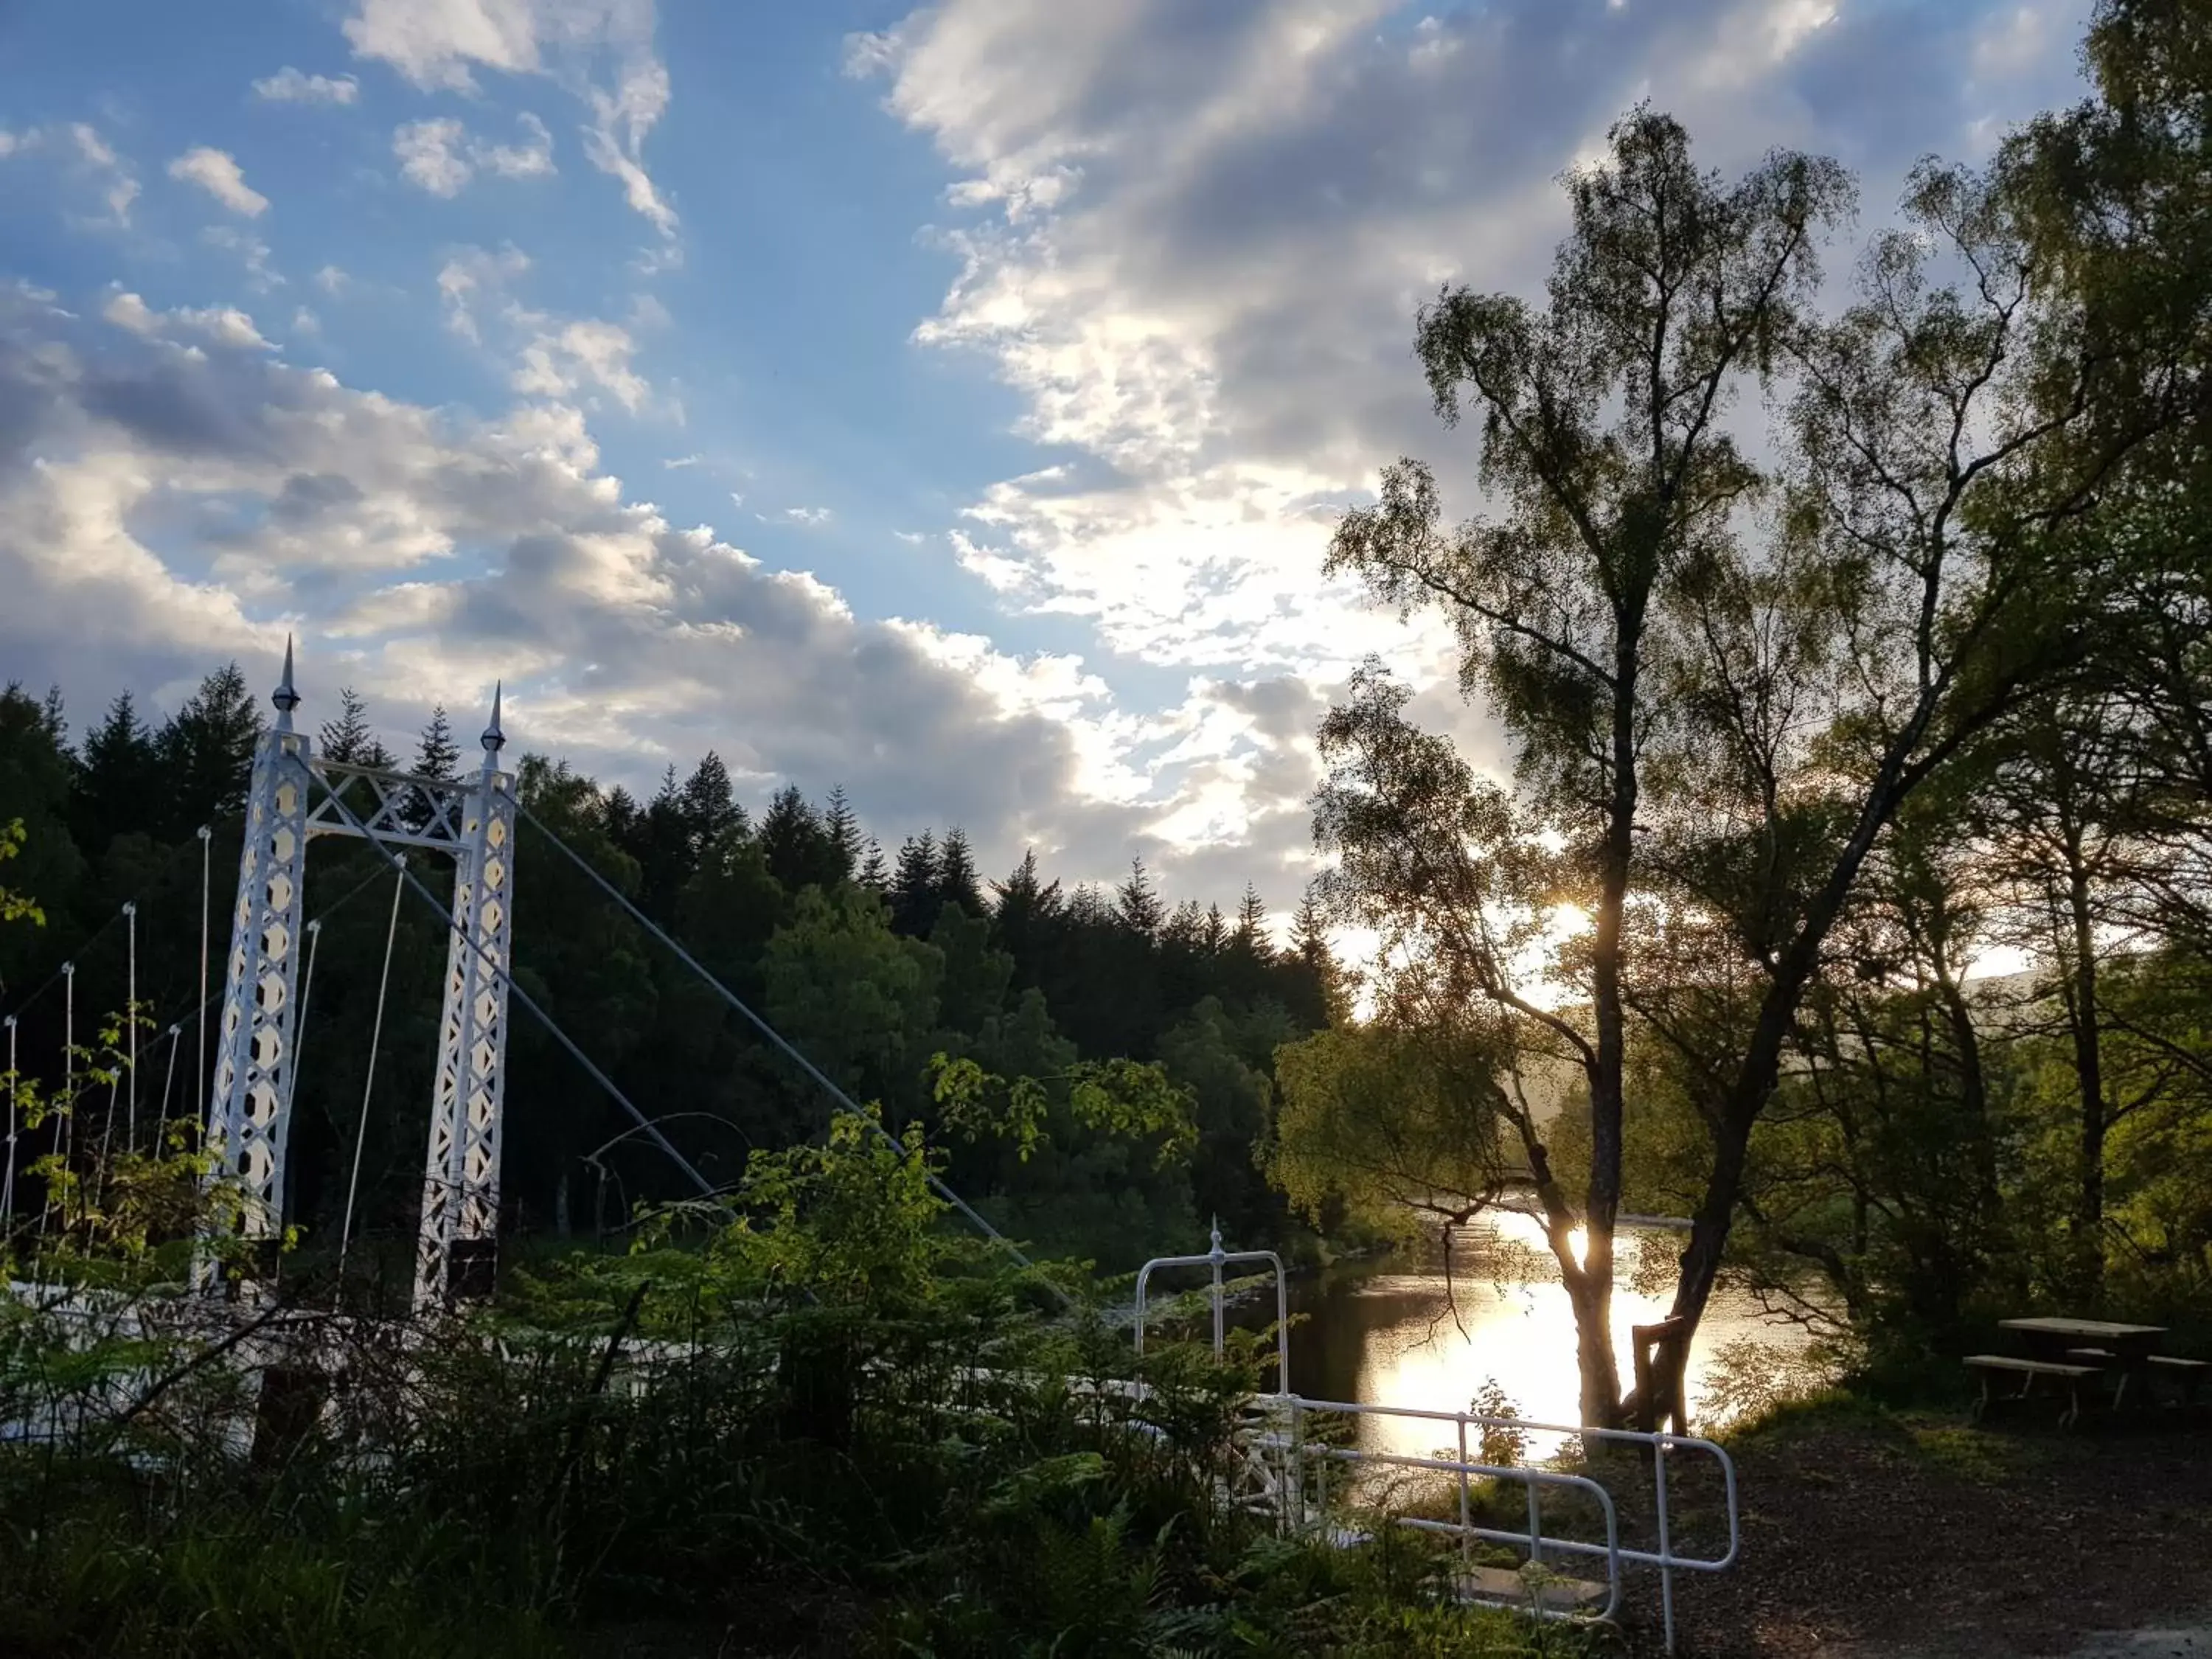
{"x": 2089, "y": 1071}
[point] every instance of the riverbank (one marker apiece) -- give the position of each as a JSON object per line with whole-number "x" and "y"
{"x": 1875, "y": 1534}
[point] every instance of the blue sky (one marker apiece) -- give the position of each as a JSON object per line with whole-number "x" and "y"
{"x": 948, "y": 402}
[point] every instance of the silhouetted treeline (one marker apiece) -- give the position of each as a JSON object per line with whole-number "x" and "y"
{"x": 871, "y": 963}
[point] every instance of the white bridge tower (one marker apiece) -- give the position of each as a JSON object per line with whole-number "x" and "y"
{"x": 297, "y": 796}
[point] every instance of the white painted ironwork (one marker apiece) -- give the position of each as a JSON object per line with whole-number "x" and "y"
{"x": 295, "y": 796}
{"x": 1275, "y": 1450}
{"x": 1217, "y": 1258}
{"x": 250, "y": 1115}
{"x": 460, "y": 1178}
{"x": 1290, "y": 1439}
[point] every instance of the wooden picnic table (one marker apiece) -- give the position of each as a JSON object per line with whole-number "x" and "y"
{"x": 2125, "y": 1349}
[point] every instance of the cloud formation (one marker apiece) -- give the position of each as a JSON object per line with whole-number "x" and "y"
{"x": 81, "y": 150}
{"x": 292, "y": 86}
{"x": 600, "y": 50}
{"x": 441, "y": 155}
{"x": 1192, "y": 240}
{"x": 216, "y": 172}
{"x": 172, "y": 490}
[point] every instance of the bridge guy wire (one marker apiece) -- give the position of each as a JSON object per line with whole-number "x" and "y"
{"x": 393, "y": 862}
{"x": 777, "y": 1037}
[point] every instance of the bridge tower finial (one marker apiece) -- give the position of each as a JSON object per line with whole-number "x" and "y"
{"x": 284, "y": 696}
{"x": 493, "y": 739}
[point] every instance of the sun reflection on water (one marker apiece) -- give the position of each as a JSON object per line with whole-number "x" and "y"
{"x": 1421, "y": 1345}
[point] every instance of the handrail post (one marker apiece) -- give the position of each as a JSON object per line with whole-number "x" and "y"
{"x": 1215, "y": 1255}
{"x": 1466, "y": 1508}
{"x": 1535, "y": 1526}
{"x": 1659, "y": 1450}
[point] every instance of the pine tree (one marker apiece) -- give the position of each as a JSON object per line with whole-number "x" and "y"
{"x": 957, "y": 882}
{"x": 663, "y": 849}
{"x": 1310, "y": 949}
{"x": 708, "y": 803}
{"x": 796, "y": 843}
{"x": 913, "y": 886}
{"x": 844, "y": 832}
{"x": 350, "y": 738}
{"x": 207, "y": 753}
{"x": 52, "y": 717}
{"x": 1213, "y": 937}
{"x": 1250, "y": 935}
{"x": 621, "y": 817}
{"x": 436, "y": 755}
{"x": 873, "y": 875}
{"x": 116, "y": 778}
{"x": 1024, "y": 920}
{"x": 1138, "y": 904}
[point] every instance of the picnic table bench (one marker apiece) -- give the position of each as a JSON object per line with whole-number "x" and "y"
{"x": 2071, "y": 1350}
{"x": 2028, "y": 1371}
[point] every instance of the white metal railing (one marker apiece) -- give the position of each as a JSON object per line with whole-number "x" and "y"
{"x": 1662, "y": 1447}
{"x": 1217, "y": 1258}
{"x": 1286, "y": 1491}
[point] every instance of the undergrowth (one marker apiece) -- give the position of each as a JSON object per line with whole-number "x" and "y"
{"x": 828, "y": 1425}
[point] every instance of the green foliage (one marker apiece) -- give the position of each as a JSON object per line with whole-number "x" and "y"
{"x": 16, "y": 906}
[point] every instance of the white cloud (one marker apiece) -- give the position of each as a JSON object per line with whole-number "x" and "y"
{"x": 430, "y": 155}
{"x": 81, "y": 150}
{"x": 226, "y": 325}
{"x": 304, "y": 321}
{"x": 333, "y": 281}
{"x": 531, "y": 159}
{"x": 216, "y": 172}
{"x": 674, "y": 462}
{"x": 813, "y": 517}
{"x": 600, "y": 50}
{"x": 291, "y": 86}
{"x": 440, "y": 155}
{"x": 1205, "y": 232}
{"x": 553, "y": 356}
{"x": 624, "y": 641}
{"x": 579, "y": 354}
{"x": 253, "y": 252}
{"x": 128, "y": 311}
{"x": 911, "y": 537}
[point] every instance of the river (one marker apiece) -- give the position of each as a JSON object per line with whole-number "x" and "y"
{"x": 1398, "y": 1333}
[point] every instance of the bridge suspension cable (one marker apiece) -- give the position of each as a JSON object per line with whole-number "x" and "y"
{"x": 760, "y": 1024}
{"x": 706, "y": 1189}
{"x": 368, "y": 1079}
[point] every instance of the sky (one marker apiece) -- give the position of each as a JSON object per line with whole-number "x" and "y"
{"x": 952, "y": 403}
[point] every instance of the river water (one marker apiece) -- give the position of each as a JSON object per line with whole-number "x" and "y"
{"x": 1399, "y": 1332}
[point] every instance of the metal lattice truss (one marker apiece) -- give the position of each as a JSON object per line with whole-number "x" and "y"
{"x": 294, "y": 796}
{"x": 393, "y": 807}
{"x": 251, "y": 1110}
{"x": 460, "y": 1178}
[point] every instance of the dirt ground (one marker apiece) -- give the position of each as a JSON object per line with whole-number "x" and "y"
{"x": 1872, "y": 1536}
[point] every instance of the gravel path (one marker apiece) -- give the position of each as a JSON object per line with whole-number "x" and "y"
{"x": 1919, "y": 1537}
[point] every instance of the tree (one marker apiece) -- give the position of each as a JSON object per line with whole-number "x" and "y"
{"x": 1250, "y": 936}
{"x": 118, "y": 773}
{"x": 436, "y": 754}
{"x": 913, "y": 892}
{"x": 206, "y": 752}
{"x": 843, "y": 829}
{"x": 709, "y": 805}
{"x": 1137, "y": 903}
{"x": 957, "y": 882}
{"x": 350, "y": 738}
{"x": 1715, "y": 729}
{"x": 856, "y": 998}
{"x": 872, "y": 874}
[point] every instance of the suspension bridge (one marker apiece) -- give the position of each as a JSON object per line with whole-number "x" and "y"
{"x": 296, "y": 797}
